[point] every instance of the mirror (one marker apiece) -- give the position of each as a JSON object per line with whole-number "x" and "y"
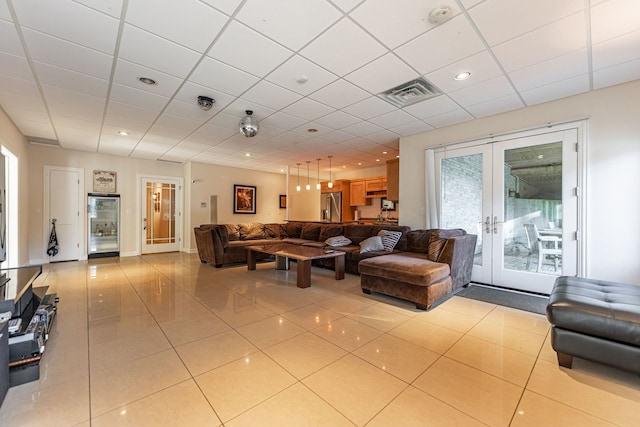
{"x": 387, "y": 205}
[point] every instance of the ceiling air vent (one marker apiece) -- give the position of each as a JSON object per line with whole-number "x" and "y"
{"x": 43, "y": 141}
{"x": 411, "y": 92}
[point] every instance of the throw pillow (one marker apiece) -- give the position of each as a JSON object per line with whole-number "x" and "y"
{"x": 372, "y": 244}
{"x": 390, "y": 239}
{"x": 338, "y": 241}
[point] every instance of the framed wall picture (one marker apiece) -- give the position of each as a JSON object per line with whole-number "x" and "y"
{"x": 244, "y": 199}
{"x": 283, "y": 201}
{"x": 104, "y": 182}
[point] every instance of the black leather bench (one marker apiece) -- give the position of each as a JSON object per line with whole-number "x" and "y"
{"x": 595, "y": 320}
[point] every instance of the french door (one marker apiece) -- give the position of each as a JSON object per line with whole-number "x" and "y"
{"x": 519, "y": 196}
{"x": 161, "y": 215}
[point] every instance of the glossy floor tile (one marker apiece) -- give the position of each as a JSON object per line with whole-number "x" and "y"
{"x": 164, "y": 340}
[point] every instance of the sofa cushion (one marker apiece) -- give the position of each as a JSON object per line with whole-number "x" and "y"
{"x": 338, "y": 241}
{"x": 358, "y": 232}
{"x": 272, "y": 231}
{"x": 418, "y": 240}
{"x": 310, "y": 231}
{"x": 330, "y": 230}
{"x": 389, "y": 239}
{"x": 293, "y": 229}
{"x": 251, "y": 231}
{"x": 371, "y": 244}
{"x": 437, "y": 240}
{"x": 233, "y": 231}
{"x": 414, "y": 270}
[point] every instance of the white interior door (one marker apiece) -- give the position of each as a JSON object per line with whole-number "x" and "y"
{"x": 161, "y": 200}
{"x": 63, "y": 202}
{"x": 500, "y": 190}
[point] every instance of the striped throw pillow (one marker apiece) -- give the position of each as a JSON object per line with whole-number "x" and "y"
{"x": 389, "y": 239}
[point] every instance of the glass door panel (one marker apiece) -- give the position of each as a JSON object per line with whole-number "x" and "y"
{"x": 159, "y": 223}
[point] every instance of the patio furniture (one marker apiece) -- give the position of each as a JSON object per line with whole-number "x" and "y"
{"x": 544, "y": 246}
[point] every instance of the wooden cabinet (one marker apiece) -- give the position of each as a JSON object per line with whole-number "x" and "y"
{"x": 376, "y": 187}
{"x": 393, "y": 179}
{"x": 359, "y": 194}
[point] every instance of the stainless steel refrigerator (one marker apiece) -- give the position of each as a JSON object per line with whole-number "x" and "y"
{"x": 104, "y": 225}
{"x": 331, "y": 206}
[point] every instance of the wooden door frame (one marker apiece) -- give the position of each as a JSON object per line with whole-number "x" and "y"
{"x": 82, "y": 237}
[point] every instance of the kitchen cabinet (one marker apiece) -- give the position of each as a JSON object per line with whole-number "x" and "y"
{"x": 376, "y": 187}
{"x": 359, "y": 194}
{"x": 393, "y": 179}
{"x": 337, "y": 186}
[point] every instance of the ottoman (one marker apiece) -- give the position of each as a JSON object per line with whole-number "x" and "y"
{"x": 595, "y": 320}
{"x": 412, "y": 278}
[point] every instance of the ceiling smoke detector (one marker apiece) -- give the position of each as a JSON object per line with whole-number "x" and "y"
{"x": 205, "y": 103}
{"x": 440, "y": 15}
{"x": 249, "y": 125}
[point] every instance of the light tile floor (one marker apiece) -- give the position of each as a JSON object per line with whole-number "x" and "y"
{"x": 163, "y": 340}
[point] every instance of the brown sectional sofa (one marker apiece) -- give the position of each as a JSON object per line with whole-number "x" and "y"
{"x": 424, "y": 266}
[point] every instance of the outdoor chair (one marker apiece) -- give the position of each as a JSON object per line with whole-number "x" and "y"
{"x": 544, "y": 246}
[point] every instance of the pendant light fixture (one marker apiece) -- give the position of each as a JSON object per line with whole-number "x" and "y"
{"x": 298, "y": 186}
{"x": 330, "y": 185}
{"x": 318, "y": 184}
{"x": 308, "y": 187}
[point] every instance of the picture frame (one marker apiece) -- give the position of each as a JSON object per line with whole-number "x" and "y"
{"x": 283, "y": 201}
{"x": 244, "y": 199}
{"x": 104, "y": 181}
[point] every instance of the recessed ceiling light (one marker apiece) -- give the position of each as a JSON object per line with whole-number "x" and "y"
{"x": 247, "y": 154}
{"x": 377, "y": 160}
{"x": 398, "y": 156}
{"x": 541, "y": 156}
{"x": 344, "y": 166}
{"x": 312, "y": 130}
{"x": 462, "y": 76}
{"x": 359, "y": 163}
{"x": 123, "y": 133}
{"x": 384, "y": 152}
{"x": 147, "y": 80}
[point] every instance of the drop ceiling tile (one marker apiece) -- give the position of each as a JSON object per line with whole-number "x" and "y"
{"x": 543, "y": 44}
{"x": 449, "y": 118}
{"x": 340, "y": 94}
{"x": 179, "y": 154}
{"x": 343, "y": 48}
{"x": 52, "y": 18}
{"x": 175, "y": 126}
{"x": 216, "y": 75}
{"x": 291, "y": 23}
{"x": 227, "y": 121}
{"x": 111, "y": 133}
{"x": 265, "y": 54}
{"x": 301, "y": 76}
{"x": 616, "y": 51}
{"x": 15, "y": 67}
{"x": 271, "y": 95}
{"x": 496, "y": 106}
{"x": 393, "y": 119}
{"x": 468, "y": 4}
{"x": 189, "y": 23}
{"x": 193, "y": 145}
{"x": 115, "y": 146}
{"x": 382, "y": 74}
{"x": 431, "y": 107}
{"x": 556, "y": 90}
{"x": 608, "y": 22}
{"x": 337, "y": 136}
{"x": 190, "y": 92}
{"x": 553, "y": 70}
{"x": 338, "y": 120}
{"x": 4, "y": 12}
{"x": 502, "y": 20}
{"x": 496, "y": 87}
{"x": 304, "y": 129}
{"x": 73, "y": 104}
{"x": 138, "y": 98}
{"x": 9, "y": 40}
{"x": 413, "y": 128}
{"x": 211, "y": 134}
{"x": 370, "y": 107}
{"x": 127, "y": 73}
{"x": 64, "y": 54}
{"x": 383, "y": 137}
{"x": 617, "y": 74}
{"x": 308, "y": 109}
{"x": 239, "y": 107}
{"x": 482, "y": 66}
{"x": 447, "y": 43}
{"x": 283, "y": 121}
{"x": 148, "y": 50}
{"x": 362, "y": 129}
{"x": 346, "y": 5}
{"x": 225, "y": 6}
{"x": 395, "y": 23}
{"x": 128, "y": 116}
{"x": 110, "y": 7}
{"x": 70, "y": 80}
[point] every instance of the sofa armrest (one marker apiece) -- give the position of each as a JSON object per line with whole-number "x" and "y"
{"x": 204, "y": 243}
{"x": 458, "y": 252}
{"x": 220, "y": 238}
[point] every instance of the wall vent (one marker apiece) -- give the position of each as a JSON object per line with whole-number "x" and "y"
{"x": 43, "y": 141}
{"x": 409, "y": 93}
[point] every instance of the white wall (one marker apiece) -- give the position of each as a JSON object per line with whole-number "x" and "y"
{"x": 612, "y": 231}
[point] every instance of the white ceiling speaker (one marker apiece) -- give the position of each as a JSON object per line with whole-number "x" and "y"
{"x": 440, "y": 15}
{"x": 205, "y": 103}
{"x": 249, "y": 125}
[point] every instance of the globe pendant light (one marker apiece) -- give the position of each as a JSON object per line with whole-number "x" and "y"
{"x": 318, "y": 184}
{"x": 249, "y": 125}
{"x": 298, "y": 186}
{"x": 308, "y": 187}
{"x": 330, "y": 185}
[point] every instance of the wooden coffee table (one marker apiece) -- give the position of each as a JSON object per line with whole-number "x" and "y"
{"x": 302, "y": 254}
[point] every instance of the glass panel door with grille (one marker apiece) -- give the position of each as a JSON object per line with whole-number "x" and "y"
{"x": 518, "y": 196}
{"x": 160, "y": 216}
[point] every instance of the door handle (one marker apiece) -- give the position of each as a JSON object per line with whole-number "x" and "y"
{"x": 495, "y": 224}
{"x": 487, "y": 225}
{"x": 145, "y": 223}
